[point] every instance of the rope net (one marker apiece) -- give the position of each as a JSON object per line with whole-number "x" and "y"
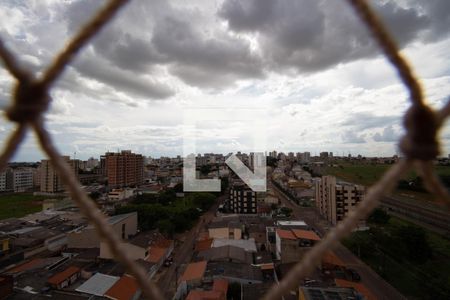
{"x": 420, "y": 146}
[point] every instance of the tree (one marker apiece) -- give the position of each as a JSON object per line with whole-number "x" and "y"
{"x": 286, "y": 211}
{"x": 415, "y": 243}
{"x": 202, "y": 200}
{"x": 166, "y": 226}
{"x": 95, "y": 195}
{"x": 379, "y": 216}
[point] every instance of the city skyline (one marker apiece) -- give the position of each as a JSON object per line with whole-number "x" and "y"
{"x": 129, "y": 88}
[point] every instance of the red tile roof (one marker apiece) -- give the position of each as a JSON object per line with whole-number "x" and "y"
{"x": 194, "y": 271}
{"x": 306, "y": 234}
{"x": 267, "y": 266}
{"x": 64, "y": 275}
{"x": 220, "y": 285}
{"x": 26, "y": 266}
{"x": 362, "y": 289}
{"x": 124, "y": 289}
{"x": 203, "y": 245}
{"x": 162, "y": 243}
{"x": 156, "y": 254}
{"x": 286, "y": 234}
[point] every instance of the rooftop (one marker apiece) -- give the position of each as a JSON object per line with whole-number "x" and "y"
{"x": 64, "y": 275}
{"x": 220, "y": 285}
{"x": 328, "y": 293}
{"x": 124, "y": 289}
{"x": 203, "y": 245}
{"x": 234, "y": 270}
{"x": 118, "y": 218}
{"x": 247, "y": 245}
{"x": 227, "y": 253}
{"x": 359, "y": 287}
{"x": 194, "y": 271}
{"x": 204, "y": 295}
{"x": 306, "y": 234}
{"x": 298, "y": 223}
{"x": 156, "y": 254}
{"x": 286, "y": 234}
{"x": 98, "y": 284}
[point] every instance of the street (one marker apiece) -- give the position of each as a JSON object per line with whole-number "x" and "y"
{"x": 183, "y": 252}
{"x": 373, "y": 282}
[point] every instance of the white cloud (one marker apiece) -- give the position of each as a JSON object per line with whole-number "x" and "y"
{"x": 310, "y": 65}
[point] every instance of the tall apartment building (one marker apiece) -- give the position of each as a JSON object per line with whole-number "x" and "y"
{"x": 124, "y": 168}
{"x": 22, "y": 179}
{"x": 243, "y": 200}
{"x": 16, "y": 179}
{"x": 335, "y": 200}
{"x": 6, "y": 180}
{"x": 50, "y": 181}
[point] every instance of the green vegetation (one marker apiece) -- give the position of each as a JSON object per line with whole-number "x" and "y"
{"x": 19, "y": 205}
{"x": 167, "y": 212}
{"x": 414, "y": 260}
{"x": 366, "y": 174}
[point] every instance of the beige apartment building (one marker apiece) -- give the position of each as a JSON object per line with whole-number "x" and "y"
{"x": 50, "y": 181}
{"x": 335, "y": 200}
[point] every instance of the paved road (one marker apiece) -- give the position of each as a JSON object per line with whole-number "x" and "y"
{"x": 374, "y": 283}
{"x": 183, "y": 252}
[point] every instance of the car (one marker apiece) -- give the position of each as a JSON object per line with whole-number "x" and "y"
{"x": 354, "y": 276}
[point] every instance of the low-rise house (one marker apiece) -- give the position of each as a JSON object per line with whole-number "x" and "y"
{"x": 292, "y": 244}
{"x": 225, "y": 229}
{"x": 65, "y": 278}
{"x": 218, "y": 292}
{"x": 226, "y": 254}
{"x": 248, "y": 245}
{"x": 258, "y": 233}
{"x": 126, "y": 288}
{"x": 234, "y": 272}
{"x": 193, "y": 274}
{"x": 98, "y": 284}
{"x": 203, "y": 245}
{"x": 117, "y": 195}
{"x": 124, "y": 225}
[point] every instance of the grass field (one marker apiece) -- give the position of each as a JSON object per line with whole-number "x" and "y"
{"x": 427, "y": 280}
{"x": 19, "y": 205}
{"x": 369, "y": 174}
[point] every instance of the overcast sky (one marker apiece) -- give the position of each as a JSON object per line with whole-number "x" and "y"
{"x": 308, "y": 65}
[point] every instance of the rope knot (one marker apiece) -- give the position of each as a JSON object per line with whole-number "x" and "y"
{"x": 420, "y": 141}
{"x": 31, "y": 99}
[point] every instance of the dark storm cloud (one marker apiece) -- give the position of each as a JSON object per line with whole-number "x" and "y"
{"x": 303, "y": 35}
{"x": 121, "y": 80}
{"x": 314, "y": 35}
{"x": 168, "y": 38}
{"x": 204, "y": 61}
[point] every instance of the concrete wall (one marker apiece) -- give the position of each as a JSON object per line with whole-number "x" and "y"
{"x": 224, "y": 233}
{"x": 133, "y": 251}
{"x": 87, "y": 238}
